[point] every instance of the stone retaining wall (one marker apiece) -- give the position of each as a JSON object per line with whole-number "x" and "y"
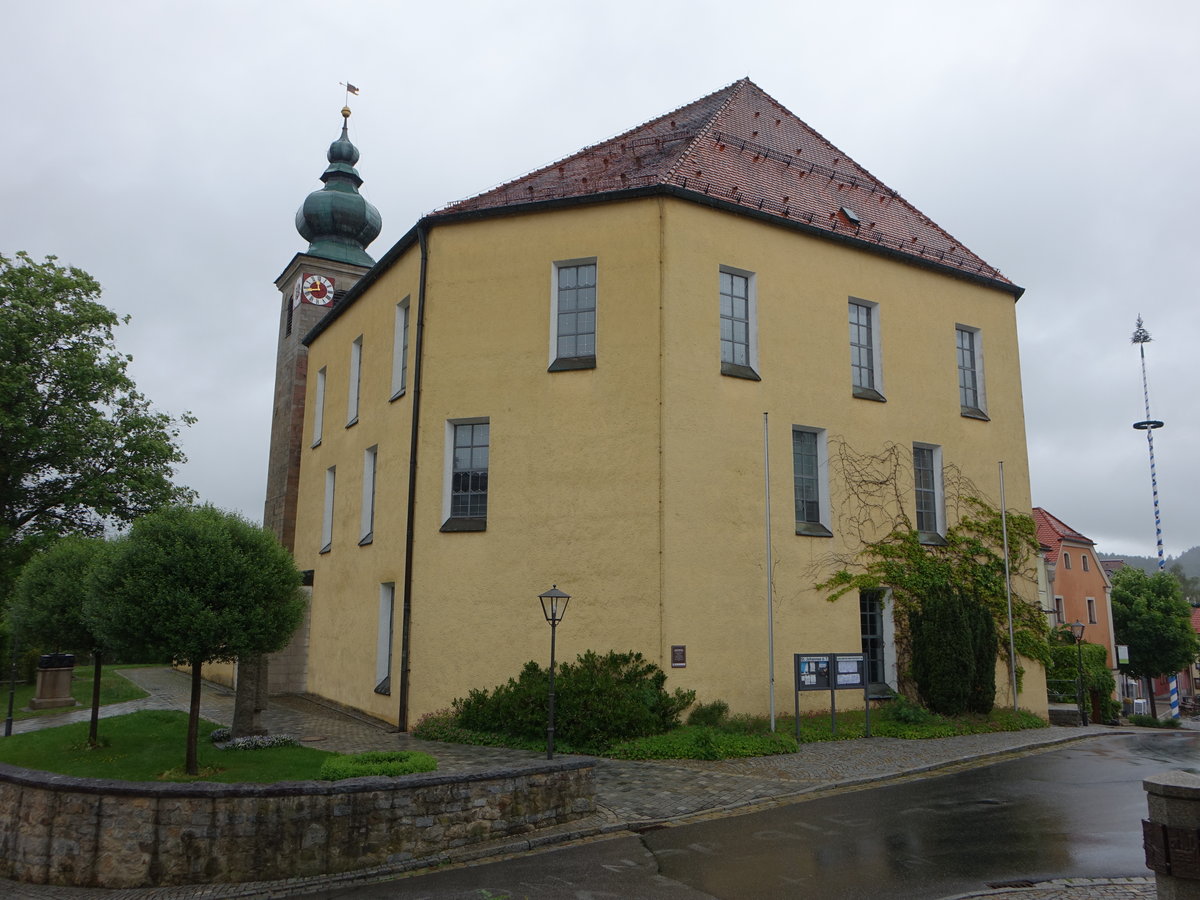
{"x": 55, "y": 829}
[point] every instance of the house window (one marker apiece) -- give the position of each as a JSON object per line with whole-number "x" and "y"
{"x": 354, "y": 381}
{"x": 1066, "y": 560}
{"x": 400, "y": 350}
{"x": 739, "y": 341}
{"x": 866, "y": 374}
{"x": 970, "y": 371}
{"x": 810, "y": 471}
{"x": 468, "y": 445}
{"x": 1091, "y": 608}
{"x": 573, "y": 316}
{"x": 319, "y": 408}
{"x": 383, "y": 645}
{"x": 1083, "y": 558}
{"x": 1060, "y": 615}
{"x": 874, "y": 643}
{"x": 327, "y": 514}
{"x": 367, "y": 518}
{"x": 927, "y": 481}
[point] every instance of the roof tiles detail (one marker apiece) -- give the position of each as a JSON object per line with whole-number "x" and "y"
{"x": 740, "y": 146}
{"x": 1052, "y": 531}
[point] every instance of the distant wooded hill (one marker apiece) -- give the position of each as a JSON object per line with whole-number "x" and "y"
{"x": 1189, "y": 560}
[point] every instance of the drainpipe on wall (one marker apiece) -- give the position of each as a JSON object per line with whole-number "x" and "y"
{"x": 406, "y": 614}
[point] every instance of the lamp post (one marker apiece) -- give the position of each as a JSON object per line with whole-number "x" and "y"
{"x": 1077, "y": 633}
{"x": 554, "y": 606}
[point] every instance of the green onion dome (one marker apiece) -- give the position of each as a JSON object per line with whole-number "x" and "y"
{"x": 336, "y": 220}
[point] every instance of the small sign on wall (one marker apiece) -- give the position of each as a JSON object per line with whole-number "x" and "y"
{"x": 678, "y": 656}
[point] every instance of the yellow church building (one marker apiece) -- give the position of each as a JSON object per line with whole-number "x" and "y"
{"x": 646, "y": 374}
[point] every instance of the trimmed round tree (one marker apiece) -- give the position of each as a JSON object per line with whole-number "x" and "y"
{"x": 199, "y": 585}
{"x": 48, "y": 604}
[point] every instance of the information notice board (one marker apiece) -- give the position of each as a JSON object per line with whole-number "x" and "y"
{"x": 831, "y": 672}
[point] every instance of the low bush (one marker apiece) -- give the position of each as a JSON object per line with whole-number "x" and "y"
{"x": 600, "y": 700}
{"x": 711, "y": 714}
{"x": 704, "y": 742}
{"x": 254, "y": 741}
{"x": 379, "y": 762}
{"x": 1151, "y": 722}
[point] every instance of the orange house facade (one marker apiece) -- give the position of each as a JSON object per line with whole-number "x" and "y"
{"x": 1079, "y": 588}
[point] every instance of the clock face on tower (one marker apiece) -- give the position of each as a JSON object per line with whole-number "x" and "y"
{"x": 317, "y": 290}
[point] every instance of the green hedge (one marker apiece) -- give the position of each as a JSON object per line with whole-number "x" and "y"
{"x": 599, "y": 700}
{"x": 379, "y": 762}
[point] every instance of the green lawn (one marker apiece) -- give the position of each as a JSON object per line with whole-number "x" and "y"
{"x": 114, "y": 688}
{"x": 150, "y": 746}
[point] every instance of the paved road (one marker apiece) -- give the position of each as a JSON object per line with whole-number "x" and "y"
{"x": 1071, "y": 812}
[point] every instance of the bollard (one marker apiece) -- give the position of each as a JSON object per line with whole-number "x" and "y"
{"x": 1171, "y": 834}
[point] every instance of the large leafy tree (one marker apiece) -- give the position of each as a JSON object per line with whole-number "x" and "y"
{"x": 198, "y": 585}
{"x": 48, "y": 602}
{"x": 1152, "y": 618}
{"x": 79, "y": 446}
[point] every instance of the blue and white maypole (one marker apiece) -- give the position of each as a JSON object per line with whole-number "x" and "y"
{"x": 1141, "y": 337}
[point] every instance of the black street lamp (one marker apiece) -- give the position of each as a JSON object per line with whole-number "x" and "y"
{"x": 1077, "y": 633}
{"x": 554, "y": 606}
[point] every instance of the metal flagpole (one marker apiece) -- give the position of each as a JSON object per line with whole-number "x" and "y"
{"x": 1012, "y": 644}
{"x": 770, "y": 612}
{"x": 1141, "y": 337}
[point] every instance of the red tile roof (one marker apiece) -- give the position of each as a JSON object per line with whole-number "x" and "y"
{"x": 1052, "y": 531}
{"x": 741, "y": 147}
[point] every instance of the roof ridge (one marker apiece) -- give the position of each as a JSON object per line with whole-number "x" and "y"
{"x": 737, "y": 87}
{"x": 590, "y": 148}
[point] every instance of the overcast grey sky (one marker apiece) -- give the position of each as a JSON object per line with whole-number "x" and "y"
{"x": 164, "y": 147}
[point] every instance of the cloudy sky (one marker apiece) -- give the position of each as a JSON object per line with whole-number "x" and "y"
{"x": 164, "y": 147}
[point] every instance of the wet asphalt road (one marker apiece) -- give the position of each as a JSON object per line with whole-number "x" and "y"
{"x": 1072, "y": 812}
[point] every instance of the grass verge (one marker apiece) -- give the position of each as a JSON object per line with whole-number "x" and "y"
{"x": 150, "y": 746}
{"x": 114, "y": 688}
{"x": 742, "y": 736}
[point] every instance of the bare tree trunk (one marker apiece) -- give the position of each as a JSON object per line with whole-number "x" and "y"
{"x": 193, "y": 731}
{"x": 264, "y": 690}
{"x": 250, "y": 698}
{"x": 94, "y": 728}
{"x": 1150, "y": 694}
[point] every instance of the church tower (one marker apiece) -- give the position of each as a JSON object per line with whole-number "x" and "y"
{"x": 339, "y": 224}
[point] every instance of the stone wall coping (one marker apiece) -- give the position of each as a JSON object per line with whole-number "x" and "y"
{"x": 52, "y": 781}
{"x": 1176, "y": 783}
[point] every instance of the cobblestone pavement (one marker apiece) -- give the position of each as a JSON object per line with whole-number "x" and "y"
{"x": 627, "y": 793}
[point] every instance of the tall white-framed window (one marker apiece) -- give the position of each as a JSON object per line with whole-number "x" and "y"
{"x": 366, "y": 526}
{"x": 1091, "y": 609}
{"x": 878, "y": 635}
{"x": 972, "y": 399}
{"x": 929, "y": 491}
{"x": 1083, "y": 558}
{"x": 400, "y": 350}
{"x": 354, "y": 381}
{"x": 866, "y": 350}
{"x": 573, "y": 315}
{"x": 384, "y": 638}
{"x": 465, "y": 497}
{"x": 1060, "y": 614}
{"x": 319, "y": 407}
{"x": 739, "y": 323}
{"x": 810, "y": 474}
{"x": 1066, "y": 557}
{"x": 327, "y": 513}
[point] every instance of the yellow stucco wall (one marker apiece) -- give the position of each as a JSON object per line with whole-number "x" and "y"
{"x": 636, "y": 486}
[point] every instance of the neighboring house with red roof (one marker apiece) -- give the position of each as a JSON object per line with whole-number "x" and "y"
{"x": 1080, "y": 590}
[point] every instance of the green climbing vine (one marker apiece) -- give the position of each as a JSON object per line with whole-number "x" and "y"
{"x": 969, "y": 562}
